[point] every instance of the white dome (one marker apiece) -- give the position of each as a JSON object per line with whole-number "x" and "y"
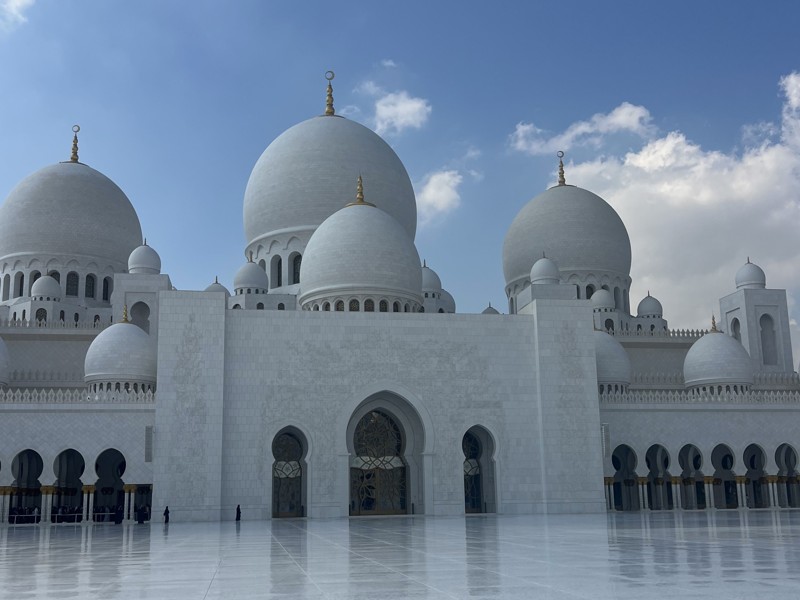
{"x": 307, "y": 173}
{"x": 69, "y": 209}
{"x": 602, "y": 299}
{"x": 717, "y": 358}
{"x": 613, "y": 363}
{"x": 46, "y": 287}
{"x": 251, "y": 276}
{"x": 144, "y": 260}
{"x": 576, "y": 228}
{"x": 430, "y": 280}
{"x": 545, "y": 271}
{"x": 490, "y": 310}
{"x": 218, "y": 287}
{"x": 121, "y": 353}
{"x": 448, "y": 303}
{"x": 5, "y": 363}
{"x": 649, "y": 307}
{"x": 360, "y": 250}
{"x": 750, "y": 275}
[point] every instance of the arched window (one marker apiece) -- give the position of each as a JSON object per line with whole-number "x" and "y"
{"x": 236, "y": 307}
{"x": 441, "y": 310}
{"x": 89, "y": 286}
{"x": 140, "y": 316}
{"x": 354, "y": 306}
{"x": 326, "y": 306}
{"x": 76, "y": 317}
{"x": 609, "y": 325}
{"x": 769, "y": 349}
{"x": 41, "y": 315}
{"x": 406, "y": 307}
{"x": 96, "y": 319}
{"x": 260, "y": 306}
{"x": 23, "y": 315}
{"x": 61, "y": 316}
{"x": 32, "y": 277}
{"x": 369, "y": 305}
{"x": 6, "y": 287}
{"x": 276, "y": 272}
{"x": 72, "y": 284}
{"x": 107, "y": 285}
{"x": 296, "y": 261}
{"x": 19, "y": 285}
{"x": 589, "y": 291}
{"x": 281, "y": 306}
{"x": 340, "y": 305}
{"x": 396, "y": 307}
{"x": 383, "y": 306}
{"x": 263, "y": 264}
{"x": 55, "y": 275}
{"x": 736, "y": 329}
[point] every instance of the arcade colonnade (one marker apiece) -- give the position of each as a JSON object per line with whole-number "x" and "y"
{"x": 727, "y": 477}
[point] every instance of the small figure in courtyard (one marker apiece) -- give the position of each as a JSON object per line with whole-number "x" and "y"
{"x": 166, "y": 515}
{"x": 238, "y": 513}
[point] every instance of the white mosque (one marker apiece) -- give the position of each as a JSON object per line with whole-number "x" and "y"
{"x": 338, "y": 378}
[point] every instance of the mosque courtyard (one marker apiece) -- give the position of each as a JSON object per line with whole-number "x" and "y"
{"x": 719, "y": 554}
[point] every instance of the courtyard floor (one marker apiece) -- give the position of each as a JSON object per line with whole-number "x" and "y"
{"x": 723, "y": 554}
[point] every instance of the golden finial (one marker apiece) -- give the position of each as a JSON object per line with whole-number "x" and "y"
{"x": 124, "y": 313}
{"x": 74, "y": 156}
{"x": 713, "y": 323}
{"x": 216, "y": 279}
{"x": 561, "y": 180}
{"x": 329, "y": 112}
{"x": 360, "y": 195}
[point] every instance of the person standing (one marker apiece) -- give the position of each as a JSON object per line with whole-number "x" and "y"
{"x": 238, "y": 513}
{"x": 166, "y": 515}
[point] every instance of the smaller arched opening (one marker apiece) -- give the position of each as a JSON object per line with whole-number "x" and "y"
{"x": 769, "y": 348}
{"x": 396, "y": 307}
{"x": 26, "y": 495}
{"x": 6, "y": 286}
{"x": 109, "y": 495}
{"x": 383, "y": 306}
{"x": 90, "y": 286}
{"x": 589, "y": 291}
{"x": 477, "y": 446}
{"x": 73, "y": 285}
{"x": 32, "y": 277}
{"x": 41, "y": 315}
{"x": 736, "y": 330}
{"x": 756, "y": 484}
{"x": 626, "y": 492}
{"x": 295, "y": 260}
{"x": 693, "y": 489}
{"x": 19, "y": 285}
{"x": 260, "y": 306}
{"x": 369, "y": 305}
{"x": 609, "y": 325}
{"x": 108, "y": 285}
{"x": 788, "y": 484}
{"x": 659, "y": 481}
{"x": 140, "y": 316}
{"x": 276, "y": 272}
{"x": 289, "y": 450}
{"x": 725, "y": 494}
{"x": 354, "y": 306}
{"x": 68, "y": 494}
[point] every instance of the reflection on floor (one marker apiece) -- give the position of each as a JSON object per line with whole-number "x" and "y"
{"x": 722, "y": 554}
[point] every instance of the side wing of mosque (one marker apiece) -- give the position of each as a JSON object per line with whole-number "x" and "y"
{"x": 338, "y": 378}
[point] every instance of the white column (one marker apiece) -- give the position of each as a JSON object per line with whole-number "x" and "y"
{"x": 44, "y": 512}
{"x": 608, "y": 483}
{"x": 127, "y": 505}
{"x": 90, "y": 506}
{"x": 643, "y": 493}
{"x": 773, "y": 492}
{"x": 709, "y": 483}
{"x": 676, "y": 493}
{"x": 3, "y": 507}
{"x": 741, "y": 490}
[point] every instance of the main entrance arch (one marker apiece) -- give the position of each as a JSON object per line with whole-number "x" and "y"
{"x": 385, "y": 440}
{"x": 288, "y": 474}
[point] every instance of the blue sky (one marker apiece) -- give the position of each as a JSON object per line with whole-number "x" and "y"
{"x": 661, "y": 108}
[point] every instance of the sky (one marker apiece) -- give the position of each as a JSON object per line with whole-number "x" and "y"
{"x": 684, "y": 116}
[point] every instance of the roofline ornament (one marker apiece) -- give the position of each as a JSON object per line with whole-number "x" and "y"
{"x": 329, "y": 111}
{"x": 561, "y": 179}
{"x": 74, "y": 156}
{"x": 124, "y": 314}
{"x": 360, "y": 195}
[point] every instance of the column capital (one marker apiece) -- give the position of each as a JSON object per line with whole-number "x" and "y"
{"x": 608, "y": 480}
{"x": 741, "y": 479}
{"x": 88, "y": 489}
{"x": 47, "y": 489}
{"x": 676, "y": 480}
{"x": 129, "y": 487}
{"x": 642, "y": 480}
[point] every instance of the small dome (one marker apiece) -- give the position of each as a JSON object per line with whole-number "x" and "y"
{"x": 750, "y": 275}
{"x": 251, "y": 276}
{"x": 430, "y": 280}
{"x": 144, "y": 260}
{"x": 361, "y": 250}
{"x": 306, "y": 173}
{"x": 448, "y": 303}
{"x": 578, "y": 229}
{"x": 613, "y": 363}
{"x": 218, "y": 287}
{"x": 490, "y": 310}
{"x": 46, "y": 287}
{"x": 121, "y": 353}
{"x": 602, "y": 300}
{"x": 69, "y": 209}
{"x": 649, "y": 307}
{"x": 5, "y": 363}
{"x": 545, "y": 271}
{"x": 715, "y": 359}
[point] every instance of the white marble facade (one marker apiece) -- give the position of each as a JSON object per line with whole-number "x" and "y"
{"x": 360, "y": 390}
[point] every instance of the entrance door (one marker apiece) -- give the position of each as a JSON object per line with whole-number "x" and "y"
{"x": 287, "y": 476}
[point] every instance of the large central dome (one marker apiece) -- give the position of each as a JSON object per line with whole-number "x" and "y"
{"x": 574, "y": 227}
{"x": 307, "y": 173}
{"x": 69, "y": 209}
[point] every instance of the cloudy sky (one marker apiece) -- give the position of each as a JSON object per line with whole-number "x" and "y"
{"x": 684, "y": 116}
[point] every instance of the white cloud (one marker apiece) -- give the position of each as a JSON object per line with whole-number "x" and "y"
{"x": 395, "y": 111}
{"x": 438, "y": 194}
{"x": 388, "y": 63}
{"x": 12, "y": 13}
{"x": 695, "y": 215}
{"x": 627, "y": 117}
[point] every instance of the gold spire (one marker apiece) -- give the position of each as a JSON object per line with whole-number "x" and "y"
{"x": 74, "y": 156}
{"x": 713, "y": 323}
{"x": 360, "y": 195}
{"x": 561, "y": 180}
{"x": 216, "y": 279}
{"x": 124, "y": 314}
{"x": 329, "y": 112}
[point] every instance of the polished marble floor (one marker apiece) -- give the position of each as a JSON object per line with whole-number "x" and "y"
{"x": 724, "y": 554}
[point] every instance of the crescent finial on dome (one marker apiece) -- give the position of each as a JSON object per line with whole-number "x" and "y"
{"x": 561, "y": 179}
{"x": 329, "y": 112}
{"x": 124, "y": 314}
{"x": 360, "y": 195}
{"x": 74, "y": 156}
{"x": 713, "y": 323}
